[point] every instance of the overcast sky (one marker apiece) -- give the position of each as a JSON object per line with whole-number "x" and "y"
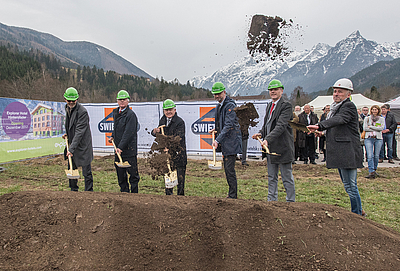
{"x": 182, "y": 38}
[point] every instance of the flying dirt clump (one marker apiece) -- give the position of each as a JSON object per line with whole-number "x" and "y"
{"x": 246, "y": 114}
{"x": 162, "y": 149}
{"x": 268, "y": 36}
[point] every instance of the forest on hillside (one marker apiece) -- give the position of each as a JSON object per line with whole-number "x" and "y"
{"x": 37, "y": 76}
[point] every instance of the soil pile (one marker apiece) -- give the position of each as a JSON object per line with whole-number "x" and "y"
{"x": 267, "y": 37}
{"x": 118, "y": 231}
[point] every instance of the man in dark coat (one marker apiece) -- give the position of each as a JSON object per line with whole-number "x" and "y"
{"x": 307, "y": 117}
{"x": 174, "y": 126}
{"x": 388, "y": 134}
{"x": 343, "y": 147}
{"x": 322, "y": 139}
{"x": 228, "y": 135}
{"x": 125, "y": 139}
{"x": 79, "y": 139}
{"x": 278, "y": 137}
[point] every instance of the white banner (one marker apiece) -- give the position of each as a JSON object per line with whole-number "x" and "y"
{"x": 198, "y": 117}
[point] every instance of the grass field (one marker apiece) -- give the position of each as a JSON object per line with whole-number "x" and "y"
{"x": 314, "y": 183}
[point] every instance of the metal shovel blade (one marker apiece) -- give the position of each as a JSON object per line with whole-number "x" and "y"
{"x": 214, "y": 165}
{"x": 72, "y": 174}
{"x": 171, "y": 179}
{"x": 123, "y": 164}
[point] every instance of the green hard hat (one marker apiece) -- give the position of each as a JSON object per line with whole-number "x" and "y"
{"x": 218, "y": 87}
{"x": 168, "y": 103}
{"x": 71, "y": 94}
{"x": 123, "y": 94}
{"x": 275, "y": 84}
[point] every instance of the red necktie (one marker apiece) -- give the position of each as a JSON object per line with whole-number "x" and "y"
{"x": 272, "y": 108}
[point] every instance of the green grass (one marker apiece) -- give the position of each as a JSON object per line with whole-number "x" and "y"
{"x": 317, "y": 184}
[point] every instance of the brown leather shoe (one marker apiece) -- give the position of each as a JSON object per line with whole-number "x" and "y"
{"x": 380, "y": 161}
{"x": 391, "y": 161}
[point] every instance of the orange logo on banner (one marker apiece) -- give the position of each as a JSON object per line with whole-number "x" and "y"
{"x": 108, "y": 111}
{"x": 203, "y": 125}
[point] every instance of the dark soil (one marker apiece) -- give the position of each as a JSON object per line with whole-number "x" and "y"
{"x": 158, "y": 157}
{"x": 267, "y": 37}
{"x": 246, "y": 114}
{"x": 44, "y": 230}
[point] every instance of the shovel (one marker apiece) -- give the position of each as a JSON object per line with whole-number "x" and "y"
{"x": 120, "y": 163}
{"x": 266, "y": 148}
{"x": 214, "y": 164}
{"x": 71, "y": 173}
{"x": 170, "y": 178}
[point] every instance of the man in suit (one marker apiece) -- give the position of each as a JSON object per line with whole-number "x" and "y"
{"x": 79, "y": 139}
{"x": 125, "y": 139}
{"x": 388, "y": 134}
{"x": 277, "y": 135}
{"x": 228, "y": 135}
{"x": 343, "y": 147}
{"x": 174, "y": 126}
{"x": 307, "y": 117}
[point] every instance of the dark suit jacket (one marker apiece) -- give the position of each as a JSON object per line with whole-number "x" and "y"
{"x": 280, "y": 138}
{"x": 79, "y": 135}
{"x": 343, "y": 146}
{"x": 125, "y": 132}
{"x": 175, "y": 128}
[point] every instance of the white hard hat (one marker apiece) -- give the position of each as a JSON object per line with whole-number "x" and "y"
{"x": 344, "y": 83}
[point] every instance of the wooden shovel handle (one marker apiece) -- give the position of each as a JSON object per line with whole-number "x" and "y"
{"x": 69, "y": 157}
{"x": 115, "y": 148}
{"x": 162, "y": 128}
{"x": 265, "y": 147}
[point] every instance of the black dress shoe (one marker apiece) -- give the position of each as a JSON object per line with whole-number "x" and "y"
{"x": 313, "y": 162}
{"x": 323, "y": 160}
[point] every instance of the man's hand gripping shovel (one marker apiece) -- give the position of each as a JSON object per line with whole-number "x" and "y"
{"x": 214, "y": 164}
{"x": 266, "y": 150}
{"x": 170, "y": 178}
{"x": 120, "y": 163}
{"x": 71, "y": 173}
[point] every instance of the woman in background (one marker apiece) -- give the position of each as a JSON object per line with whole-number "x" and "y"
{"x": 373, "y": 126}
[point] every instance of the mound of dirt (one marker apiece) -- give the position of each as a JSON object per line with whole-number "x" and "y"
{"x": 117, "y": 231}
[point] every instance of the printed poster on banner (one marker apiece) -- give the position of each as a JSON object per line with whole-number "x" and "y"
{"x": 30, "y": 128}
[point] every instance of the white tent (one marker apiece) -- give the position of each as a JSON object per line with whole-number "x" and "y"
{"x": 358, "y": 99}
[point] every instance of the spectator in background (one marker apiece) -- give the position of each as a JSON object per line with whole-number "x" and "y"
{"x": 308, "y": 145}
{"x": 373, "y": 126}
{"x": 295, "y": 137}
{"x": 394, "y": 142}
{"x": 297, "y": 110}
{"x": 388, "y": 133}
{"x": 322, "y": 139}
{"x": 343, "y": 149}
{"x": 364, "y": 112}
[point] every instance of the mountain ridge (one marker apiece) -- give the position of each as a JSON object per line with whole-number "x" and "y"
{"x": 70, "y": 53}
{"x": 314, "y": 70}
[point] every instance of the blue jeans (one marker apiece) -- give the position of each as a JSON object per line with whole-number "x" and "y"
{"x": 373, "y": 148}
{"x": 388, "y": 139}
{"x": 349, "y": 179}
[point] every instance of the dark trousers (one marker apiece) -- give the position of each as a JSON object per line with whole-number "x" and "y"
{"x": 244, "y": 150}
{"x": 309, "y": 149}
{"x": 322, "y": 140}
{"x": 394, "y": 154}
{"x": 230, "y": 173}
{"x": 87, "y": 174}
{"x": 181, "y": 171}
{"x": 122, "y": 174}
{"x": 297, "y": 154}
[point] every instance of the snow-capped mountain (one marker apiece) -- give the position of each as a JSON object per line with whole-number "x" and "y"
{"x": 314, "y": 70}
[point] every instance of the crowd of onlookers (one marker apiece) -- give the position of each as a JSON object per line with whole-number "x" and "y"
{"x": 377, "y": 126}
